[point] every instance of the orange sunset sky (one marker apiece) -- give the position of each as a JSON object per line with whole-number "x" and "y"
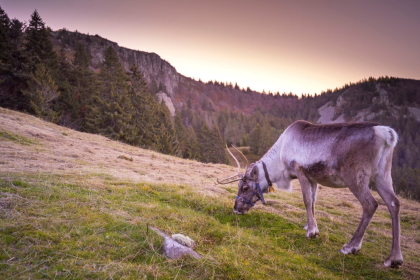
{"x": 298, "y": 46}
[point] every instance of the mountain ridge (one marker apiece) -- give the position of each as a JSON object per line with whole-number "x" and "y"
{"x": 159, "y": 72}
{"x": 161, "y": 75}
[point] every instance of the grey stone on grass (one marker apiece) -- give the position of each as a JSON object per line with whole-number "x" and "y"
{"x": 173, "y": 249}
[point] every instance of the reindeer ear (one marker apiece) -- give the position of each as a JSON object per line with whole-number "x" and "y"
{"x": 254, "y": 173}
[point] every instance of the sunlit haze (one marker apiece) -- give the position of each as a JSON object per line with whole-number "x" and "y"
{"x": 272, "y": 45}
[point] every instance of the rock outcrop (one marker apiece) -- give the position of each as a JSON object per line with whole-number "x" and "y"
{"x": 327, "y": 113}
{"x": 168, "y": 102}
{"x": 334, "y": 114}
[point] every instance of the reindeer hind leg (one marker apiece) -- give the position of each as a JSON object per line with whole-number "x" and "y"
{"x": 385, "y": 190}
{"x": 359, "y": 186}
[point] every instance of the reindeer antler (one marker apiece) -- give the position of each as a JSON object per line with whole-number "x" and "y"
{"x": 224, "y": 181}
{"x": 247, "y": 163}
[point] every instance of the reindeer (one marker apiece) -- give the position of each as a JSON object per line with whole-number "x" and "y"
{"x": 335, "y": 155}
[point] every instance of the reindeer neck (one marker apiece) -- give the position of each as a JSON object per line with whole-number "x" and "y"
{"x": 271, "y": 160}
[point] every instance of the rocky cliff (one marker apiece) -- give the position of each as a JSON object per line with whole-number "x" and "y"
{"x": 153, "y": 67}
{"x": 162, "y": 76}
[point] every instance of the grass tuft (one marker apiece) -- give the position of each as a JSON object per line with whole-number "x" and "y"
{"x": 125, "y": 158}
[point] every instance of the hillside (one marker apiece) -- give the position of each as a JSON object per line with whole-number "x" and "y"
{"x": 77, "y": 205}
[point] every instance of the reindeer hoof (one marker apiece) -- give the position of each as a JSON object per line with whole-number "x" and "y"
{"x": 393, "y": 263}
{"x": 312, "y": 233}
{"x": 349, "y": 250}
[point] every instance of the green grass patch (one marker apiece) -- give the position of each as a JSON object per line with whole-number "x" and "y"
{"x": 7, "y": 136}
{"x": 50, "y": 228}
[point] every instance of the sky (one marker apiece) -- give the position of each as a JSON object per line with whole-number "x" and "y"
{"x": 299, "y": 46}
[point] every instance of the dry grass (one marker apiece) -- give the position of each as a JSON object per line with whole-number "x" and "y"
{"x": 58, "y": 150}
{"x": 31, "y": 148}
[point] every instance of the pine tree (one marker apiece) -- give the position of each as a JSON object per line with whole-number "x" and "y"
{"x": 167, "y": 141}
{"x": 146, "y": 107}
{"x": 192, "y": 148}
{"x": 41, "y": 93}
{"x": 81, "y": 57}
{"x": 112, "y": 110}
{"x": 4, "y": 49}
{"x": 254, "y": 139}
{"x": 245, "y": 140}
{"x": 38, "y": 43}
{"x": 154, "y": 121}
{"x": 84, "y": 87}
{"x": 63, "y": 66}
{"x": 138, "y": 84}
{"x": 218, "y": 154}
{"x": 265, "y": 141}
{"x": 4, "y": 29}
{"x": 204, "y": 142}
{"x": 181, "y": 132}
{"x": 62, "y": 78}
{"x": 14, "y": 72}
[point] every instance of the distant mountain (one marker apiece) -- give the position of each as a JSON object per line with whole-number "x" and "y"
{"x": 364, "y": 100}
{"x": 161, "y": 75}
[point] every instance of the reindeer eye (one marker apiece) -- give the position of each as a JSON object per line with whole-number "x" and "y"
{"x": 245, "y": 188}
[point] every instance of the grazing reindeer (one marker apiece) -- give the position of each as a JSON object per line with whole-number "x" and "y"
{"x": 335, "y": 155}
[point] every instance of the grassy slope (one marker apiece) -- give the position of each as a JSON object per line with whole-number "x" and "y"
{"x": 76, "y": 206}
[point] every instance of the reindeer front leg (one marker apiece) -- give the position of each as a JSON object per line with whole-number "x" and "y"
{"x": 309, "y": 195}
{"x": 311, "y": 226}
{"x": 314, "y": 190}
{"x": 309, "y": 190}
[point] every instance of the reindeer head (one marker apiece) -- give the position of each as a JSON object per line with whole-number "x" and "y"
{"x": 249, "y": 191}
